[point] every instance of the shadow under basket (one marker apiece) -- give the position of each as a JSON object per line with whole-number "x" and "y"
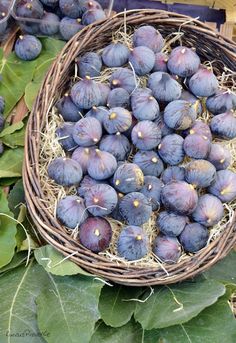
{"x": 209, "y": 46}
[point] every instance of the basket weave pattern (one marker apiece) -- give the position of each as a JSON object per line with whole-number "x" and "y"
{"x": 209, "y": 45}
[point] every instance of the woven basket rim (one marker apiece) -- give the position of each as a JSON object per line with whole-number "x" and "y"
{"x": 47, "y": 226}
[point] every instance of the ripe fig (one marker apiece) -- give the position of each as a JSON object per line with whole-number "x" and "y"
{"x": 165, "y": 130}
{"x": 219, "y": 156}
{"x": 179, "y": 115}
{"x": 197, "y": 146}
{"x": 118, "y": 97}
{"x": 146, "y": 135}
{"x": 104, "y": 90}
{"x": 90, "y": 64}
{"x": 133, "y": 243}
{"x": 142, "y": 59}
{"x": 93, "y": 15}
{"x": 68, "y": 110}
{"x": 164, "y": 87}
{"x": 86, "y": 184}
{"x": 65, "y": 136}
{"x": 223, "y": 101}
{"x": 71, "y": 8}
{"x": 101, "y": 200}
{"x": 115, "y": 55}
{"x": 160, "y": 62}
{"x": 187, "y": 96}
{"x": 167, "y": 249}
{"x": 209, "y": 210}
{"x": 173, "y": 174}
{"x": 149, "y": 162}
{"x": 101, "y": 165}
{"x": 179, "y": 197}
{"x": 95, "y": 234}
{"x": 148, "y": 36}
{"x": 194, "y": 237}
{"x": 117, "y": 119}
{"x": 200, "y": 128}
{"x": 98, "y": 113}
{"x": 87, "y": 132}
{"x": 123, "y": 78}
{"x": 200, "y": 173}
{"x": 171, "y": 149}
{"x": 86, "y": 93}
{"x": 65, "y": 171}
{"x": 152, "y": 190}
{"x": 171, "y": 224}
{"x": 71, "y": 211}
{"x": 29, "y": 9}
{"x": 69, "y": 27}
{"x": 224, "y": 185}
{"x": 144, "y": 105}
{"x": 28, "y": 47}
{"x": 203, "y": 83}
{"x": 183, "y": 61}
{"x": 82, "y": 156}
{"x": 118, "y": 145}
{"x": 224, "y": 125}
{"x": 128, "y": 178}
{"x": 50, "y": 24}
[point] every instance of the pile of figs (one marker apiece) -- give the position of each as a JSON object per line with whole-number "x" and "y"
{"x": 138, "y": 154}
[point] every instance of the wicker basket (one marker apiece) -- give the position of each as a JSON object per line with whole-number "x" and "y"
{"x": 210, "y": 45}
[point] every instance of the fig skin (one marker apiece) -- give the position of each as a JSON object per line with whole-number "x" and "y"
{"x": 93, "y": 15}
{"x": 118, "y": 97}
{"x": 104, "y": 90}
{"x": 28, "y": 47}
{"x": 123, "y": 78}
{"x": 71, "y": 211}
{"x": 167, "y": 249}
{"x": 219, "y": 156}
{"x": 200, "y": 128}
{"x": 197, "y": 146}
{"x": 171, "y": 224}
{"x": 128, "y": 178}
{"x": 180, "y": 115}
{"x": 86, "y": 93}
{"x": 171, "y": 149}
{"x": 152, "y": 190}
{"x": 98, "y": 113}
{"x": 183, "y": 61}
{"x": 144, "y": 105}
{"x": 95, "y": 234}
{"x": 223, "y": 101}
{"x": 146, "y": 135}
{"x": 224, "y": 185}
{"x": 115, "y": 55}
{"x": 29, "y": 9}
{"x": 71, "y": 8}
{"x": 118, "y": 145}
{"x": 200, "y": 173}
{"x": 86, "y": 183}
{"x": 142, "y": 59}
{"x": 117, "y": 119}
{"x": 50, "y": 24}
{"x": 187, "y": 96}
{"x": 209, "y": 210}
{"x": 135, "y": 208}
{"x": 160, "y": 62}
{"x": 69, "y": 27}
{"x": 224, "y": 125}
{"x": 203, "y": 83}
{"x": 164, "y": 87}
{"x": 65, "y": 171}
{"x": 165, "y": 130}
{"x": 2, "y": 104}
{"x": 64, "y": 134}
{"x": 87, "y": 132}
{"x": 179, "y": 197}
{"x": 132, "y": 243}
{"x": 194, "y": 237}
{"x": 68, "y": 110}
{"x": 90, "y": 64}
{"x": 149, "y": 162}
{"x": 82, "y": 156}
{"x": 173, "y": 173}
{"x": 148, "y": 36}
{"x": 101, "y": 200}
{"x": 101, "y": 165}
